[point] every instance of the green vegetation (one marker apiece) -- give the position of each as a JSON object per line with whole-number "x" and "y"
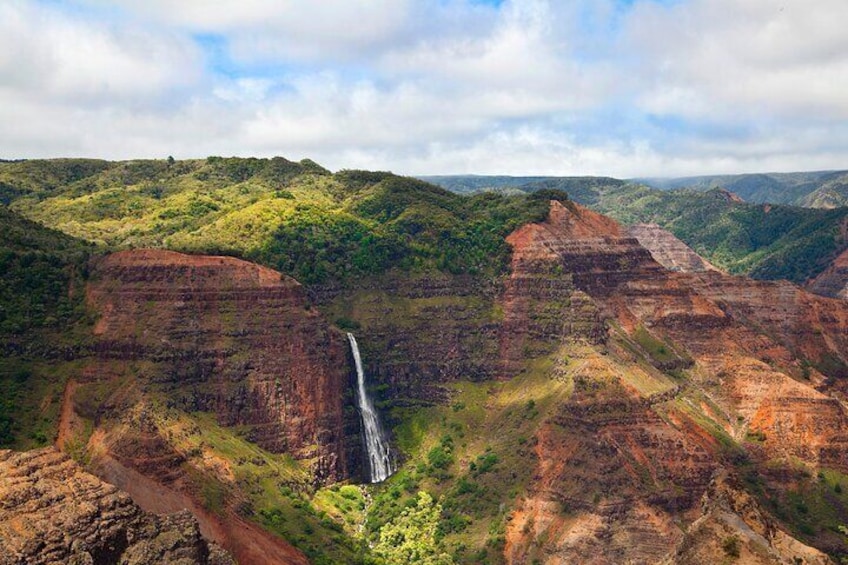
{"x": 322, "y": 227}
{"x": 762, "y": 241}
{"x": 473, "y": 457}
{"x": 37, "y": 268}
{"x": 731, "y": 546}
{"x": 295, "y": 217}
{"x": 411, "y": 537}
{"x": 42, "y": 315}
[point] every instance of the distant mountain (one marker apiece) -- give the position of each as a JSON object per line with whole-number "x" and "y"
{"x": 820, "y": 189}
{"x": 469, "y": 184}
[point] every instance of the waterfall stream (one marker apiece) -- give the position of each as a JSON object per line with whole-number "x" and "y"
{"x": 379, "y": 455}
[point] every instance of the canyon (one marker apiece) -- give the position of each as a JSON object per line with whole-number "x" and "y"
{"x": 625, "y": 400}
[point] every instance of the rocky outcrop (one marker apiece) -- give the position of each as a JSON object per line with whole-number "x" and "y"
{"x": 52, "y": 512}
{"x": 833, "y": 281}
{"x": 733, "y": 527}
{"x": 667, "y": 250}
{"x": 230, "y": 337}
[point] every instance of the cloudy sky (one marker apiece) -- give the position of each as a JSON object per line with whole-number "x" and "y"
{"x": 616, "y": 87}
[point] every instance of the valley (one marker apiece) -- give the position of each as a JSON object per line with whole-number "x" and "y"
{"x": 555, "y": 386}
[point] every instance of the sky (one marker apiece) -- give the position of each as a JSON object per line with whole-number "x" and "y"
{"x": 624, "y": 88}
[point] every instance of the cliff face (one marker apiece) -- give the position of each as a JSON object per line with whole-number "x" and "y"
{"x": 833, "y": 281}
{"x": 667, "y": 250}
{"x": 51, "y": 511}
{"x": 197, "y": 361}
{"x": 235, "y": 339}
{"x": 624, "y": 461}
{"x": 732, "y": 524}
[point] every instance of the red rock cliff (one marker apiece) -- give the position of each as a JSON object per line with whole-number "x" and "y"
{"x": 620, "y": 467}
{"x": 233, "y": 338}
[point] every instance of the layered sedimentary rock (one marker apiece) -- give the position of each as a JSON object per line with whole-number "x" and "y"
{"x": 232, "y": 338}
{"x": 620, "y": 468}
{"x": 733, "y": 526}
{"x": 52, "y": 512}
{"x": 417, "y": 332}
{"x": 833, "y": 281}
{"x": 667, "y": 250}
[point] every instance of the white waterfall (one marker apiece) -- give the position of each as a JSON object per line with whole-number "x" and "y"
{"x": 379, "y": 454}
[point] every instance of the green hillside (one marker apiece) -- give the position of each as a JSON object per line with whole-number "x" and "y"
{"x": 42, "y": 317}
{"x": 762, "y": 241}
{"x": 37, "y": 267}
{"x": 323, "y": 227}
{"x": 296, "y": 217}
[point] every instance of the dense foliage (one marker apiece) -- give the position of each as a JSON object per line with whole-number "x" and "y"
{"x": 412, "y": 538}
{"x": 41, "y": 274}
{"x": 37, "y": 266}
{"x": 296, "y": 217}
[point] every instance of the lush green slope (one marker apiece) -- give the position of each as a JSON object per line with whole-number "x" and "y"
{"x": 37, "y": 266}
{"x": 296, "y": 217}
{"x": 762, "y": 241}
{"x": 41, "y": 316}
{"x": 322, "y": 227}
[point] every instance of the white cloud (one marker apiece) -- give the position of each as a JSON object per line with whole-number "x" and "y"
{"x": 430, "y": 86}
{"x": 732, "y": 57}
{"x": 59, "y": 57}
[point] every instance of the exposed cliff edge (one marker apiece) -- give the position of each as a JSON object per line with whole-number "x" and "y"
{"x": 232, "y": 338}
{"x": 625, "y": 460}
{"x": 51, "y": 511}
{"x": 733, "y": 526}
{"x": 834, "y": 280}
{"x": 667, "y": 250}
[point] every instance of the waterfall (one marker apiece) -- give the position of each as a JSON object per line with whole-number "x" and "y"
{"x": 379, "y": 455}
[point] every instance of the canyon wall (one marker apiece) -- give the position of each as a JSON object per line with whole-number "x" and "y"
{"x": 232, "y": 338}
{"x": 623, "y": 462}
{"x": 833, "y": 281}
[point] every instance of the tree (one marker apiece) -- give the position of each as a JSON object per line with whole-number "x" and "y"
{"x": 411, "y": 537}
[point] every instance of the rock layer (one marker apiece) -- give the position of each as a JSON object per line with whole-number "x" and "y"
{"x": 833, "y": 281}
{"x": 53, "y": 512}
{"x": 233, "y": 338}
{"x": 667, "y": 250}
{"x": 619, "y": 468}
{"x": 733, "y": 526}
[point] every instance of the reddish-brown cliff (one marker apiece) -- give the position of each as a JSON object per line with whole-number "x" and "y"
{"x": 233, "y": 338}
{"x": 667, "y": 250}
{"x": 51, "y": 511}
{"x": 833, "y": 281}
{"x": 618, "y": 470}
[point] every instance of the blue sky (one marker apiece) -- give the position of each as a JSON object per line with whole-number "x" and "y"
{"x": 606, "y": 87}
